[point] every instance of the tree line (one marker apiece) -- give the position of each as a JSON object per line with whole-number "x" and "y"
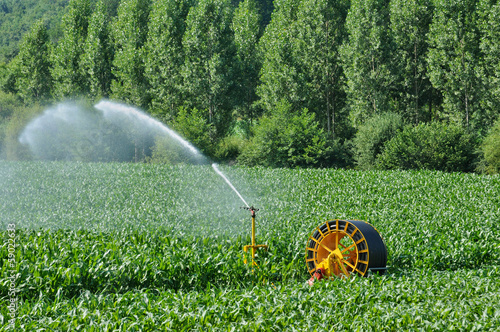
{"x": 289, "y": 83}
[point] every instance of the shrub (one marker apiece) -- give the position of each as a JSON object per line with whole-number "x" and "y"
{"x": 285, "y": 140}
{"x": 8, "y": 103}
{"x": 12, "y": 149}
{"x": 193, "y": 125}
{"x": 434, "y": 146}
{"x": 491, "y": 149}
{"x": 166, "y": 151}
{"x": 229, "y": 148}
{"x": 371, "y": 137}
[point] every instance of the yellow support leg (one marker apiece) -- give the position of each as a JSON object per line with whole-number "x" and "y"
{"x": 253, "y": 246}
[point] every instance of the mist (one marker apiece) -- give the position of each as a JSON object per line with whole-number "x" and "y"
{"x": 105, "y": 132}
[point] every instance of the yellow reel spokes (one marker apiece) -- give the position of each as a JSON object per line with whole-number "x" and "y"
{"x": 336, "y": 253}
{"x": 341, "y": 247}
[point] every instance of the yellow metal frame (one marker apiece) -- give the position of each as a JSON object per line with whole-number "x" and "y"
{"x": 253, "y": 246}
{"x": 334, "y": 261}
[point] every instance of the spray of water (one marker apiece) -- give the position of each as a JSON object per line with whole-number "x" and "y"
{"x": 109, "y": 131}
{"x": 216, "y": 168}
{"x": 119, "y": 113}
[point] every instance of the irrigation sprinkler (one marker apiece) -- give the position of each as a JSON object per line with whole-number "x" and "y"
{"x": 335, "y": 248}
{"x": 252, "y": 210}
{"x": 253, "y": 246}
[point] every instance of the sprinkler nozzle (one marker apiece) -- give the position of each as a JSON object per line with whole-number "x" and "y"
{"x": 251, "y": 209}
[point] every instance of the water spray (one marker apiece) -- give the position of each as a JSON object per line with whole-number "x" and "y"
{"x": 216, "y": 169}
{"x": 107, "y": 131}
{"x": 115, "y": 111}
{"x": 252, "y": 210}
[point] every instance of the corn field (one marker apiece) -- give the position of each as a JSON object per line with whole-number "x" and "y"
{"x": 142, "y": 247}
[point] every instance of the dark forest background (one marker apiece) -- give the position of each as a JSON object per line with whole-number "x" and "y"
{"x": 367, "y": 84}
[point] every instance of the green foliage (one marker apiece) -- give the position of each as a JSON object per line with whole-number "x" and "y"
{"x": 409, "y": 26}
{"x": 278, "y": 75}
{"x": 489, "y": 67}
{"x": 491, "y": 149}
{"x": 208, "y": 69}
{"x": 34, "y": 80}
{"x": 9, "y": 73}
{"x": 12, "y": 149}
{"x": 287, "y": 140}
{"x": 372, "y": 136}
{"x": 165, "y": 55}
{"x": 8, "y": 105}
{"x": 194, "y": 126}
{"x": 453, "y": 59}
{"x": 301, "y": 60}
{"x": 321, "y": 30}
{"x": 167, "y": 151}
{"x": 66, "y": 56}
{"x": 129, "y": 32}
{"x": 229, "y": 148}
{"x": 433, "y": 146}
{"x": 98, "y": 54}
{"x": 247, "y": 32}
{"x": 18, "y": 17}
{"x": 367, "y": 60}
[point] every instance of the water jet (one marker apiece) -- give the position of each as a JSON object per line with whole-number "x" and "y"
{"x": 107, "y": 131}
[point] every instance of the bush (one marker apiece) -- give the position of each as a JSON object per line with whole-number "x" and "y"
{"x": 285, "y": 140}
{"x": 434, "y": 146}
{"x": 229, "y": 148}
{"x": 193, "y": 125}
{"x": 371, "y": 137}
{"x": 8, "y": 104}
{"x": 491, "y": 149}
{"x": 12, "y": 127}
{"x": 167, "y": 150}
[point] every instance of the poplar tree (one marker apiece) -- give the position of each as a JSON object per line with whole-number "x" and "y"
{"x": 247, "y": 32}
{"x": 68, "y": 78}
{"x": 34, "y": 80}
{"x": 98, "y": 54}
{"x": 453, "y": 56}
{"x": 165, "y": 55}
{"x": 279, "y": 74}
{"x": 208, "y": 67}
{"x": 489, "y": 69}
{"x": 367, "y": 60}
{"x": 410, "y": 20}
{"x": 129, "y": 33}
{"x": 320, "y": 33}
